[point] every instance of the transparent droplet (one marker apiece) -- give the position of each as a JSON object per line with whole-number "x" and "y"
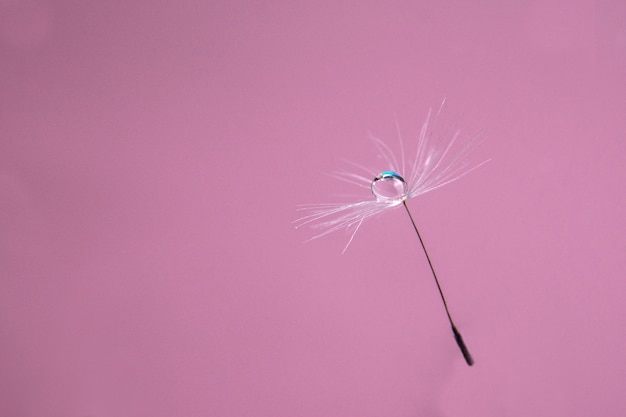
{"x": 389, "y": 186}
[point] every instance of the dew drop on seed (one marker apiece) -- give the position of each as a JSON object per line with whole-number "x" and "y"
{"x": 389, "y": 187}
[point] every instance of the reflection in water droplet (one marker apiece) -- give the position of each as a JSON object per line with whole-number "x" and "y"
{"x": 390, "y": 187}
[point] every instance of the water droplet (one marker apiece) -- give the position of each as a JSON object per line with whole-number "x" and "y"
{"x": 389, "y": 186}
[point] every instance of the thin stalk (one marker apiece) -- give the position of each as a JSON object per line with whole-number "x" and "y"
{"x": 457, "y": 334}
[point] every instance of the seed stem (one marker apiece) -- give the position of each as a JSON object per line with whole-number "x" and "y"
{"x": 457, "y": 334}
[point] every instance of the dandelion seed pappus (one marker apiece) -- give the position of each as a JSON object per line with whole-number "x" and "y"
{"x": 440, "y": 158}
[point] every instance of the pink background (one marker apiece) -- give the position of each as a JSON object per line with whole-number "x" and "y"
{"x": 152, "y": 155}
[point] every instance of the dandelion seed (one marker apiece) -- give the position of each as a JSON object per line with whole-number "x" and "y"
{"x": 438, "y": 161}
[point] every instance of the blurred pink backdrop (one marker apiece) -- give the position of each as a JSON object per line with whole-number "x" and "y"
{"x": 152, "y": 155}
